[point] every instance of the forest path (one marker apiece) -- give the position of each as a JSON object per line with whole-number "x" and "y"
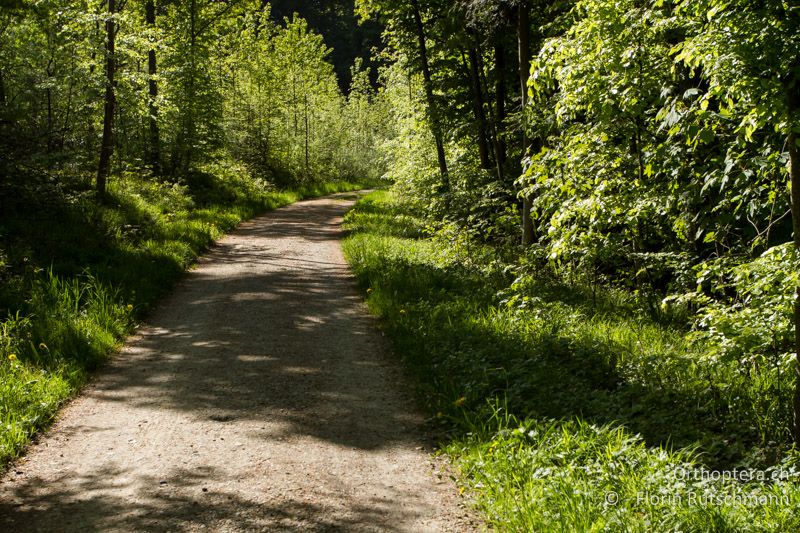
{"x": 259, "y": 397}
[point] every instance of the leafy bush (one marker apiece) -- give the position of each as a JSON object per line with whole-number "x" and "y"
{"x": 82, "y": 271}
{"x": 550, "y": 396}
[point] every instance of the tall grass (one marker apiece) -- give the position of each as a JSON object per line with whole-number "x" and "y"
{"x": 76, "y": 274}
{"x": 567, "y": 407}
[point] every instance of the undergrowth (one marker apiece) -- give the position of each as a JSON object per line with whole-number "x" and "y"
{"x": 570, "y": 407}
{"x": 76, "y": 273}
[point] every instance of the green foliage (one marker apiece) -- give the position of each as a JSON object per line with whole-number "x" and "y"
{"x": 336, "y": 20}
{"x": 663, "y": 137}
{"x": 552, "y": 395}
{"x": 754, "y": 326}
{"x": 216, "y": 108}
{"x": 228, "y": 81}
{"x": 541, "y": 475}
{"x": 69, "y": 295}
{"x": 286, "y": 116}
{"x": 597, "y": 200}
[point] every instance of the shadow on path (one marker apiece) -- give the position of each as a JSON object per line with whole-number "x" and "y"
{"x": 259, "y": 397}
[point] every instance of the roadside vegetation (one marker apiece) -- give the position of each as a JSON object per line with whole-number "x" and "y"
{"x": 79, "y": 274}
{"x": 133, "y": 135}
{"x": 589, "y": 256}
{"x": 568, "y": 406}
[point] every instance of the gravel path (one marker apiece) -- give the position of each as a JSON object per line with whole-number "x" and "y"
{"x": 259, "y": 397}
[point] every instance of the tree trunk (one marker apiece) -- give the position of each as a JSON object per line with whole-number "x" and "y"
{"x": 49, "y": 94}
{"x": 491, "y": 121}
{"x": 293, "y": 61}
{"x": 524, "y": 49}
{"x": 480, "y": 115}
{"x": 432, "y": 108}
{"x": 2, "y": 90}
{"x": 90, "y": 133}
{"x": 191, "y": 126}
{"x": 305, "y": 120}
{"x": 154, "y": 148}
{"x": 50, "y": 119}
{"x": 793, "y": 106}
{"x": 500, "y": 102}
{"x": 67, "y": 116}
{"x": 107, "y": 144}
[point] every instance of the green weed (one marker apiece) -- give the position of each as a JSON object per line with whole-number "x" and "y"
{"x": 76, "y": 274}
{"x": 553, "y": 396}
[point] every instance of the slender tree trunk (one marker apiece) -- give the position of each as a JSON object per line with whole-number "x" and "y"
{"x": 67, "y": 116}
{"x": 410, "y": 87}
{"x": 305, "y": 119}
{"x": 90, "y": 133}
{"x": 496, "y": 113}
{"x": 49, "y": 94}
{"x": 524, "y": 48}
{"x": 294, "y": 100}
{"x": 107, "y": 144}
{"x": 492, "y": 120}
{"x": 265, "y": 155}
{"x": 477, "y": 103}
{"x": 432, "y": 108}
{"x": 190, "y": 122}
{"x": 500, "y": 101}
{"x": 154, "y": 148}
{"x": 791, "y": 86}
{"x": 637, "y": 148}
{"x": 793, "y": 105}
{"x": 2, "y": 90}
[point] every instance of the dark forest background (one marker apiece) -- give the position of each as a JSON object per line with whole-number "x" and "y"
{"x": 336, "y": 21}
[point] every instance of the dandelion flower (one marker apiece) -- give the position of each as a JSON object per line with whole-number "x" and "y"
{"x": 461, "y": 401}
{"x": 12, "y": 357}
{"x": 129, "y": 307}
{"x": 42, "y": 346}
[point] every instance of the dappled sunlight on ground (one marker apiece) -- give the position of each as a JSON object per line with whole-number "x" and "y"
{"x": 258, "y": 397}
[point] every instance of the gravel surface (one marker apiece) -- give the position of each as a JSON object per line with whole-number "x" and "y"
{"x": 259, "y": 397}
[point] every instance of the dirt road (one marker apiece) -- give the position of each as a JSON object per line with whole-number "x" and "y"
{"x": 259, "y": 397}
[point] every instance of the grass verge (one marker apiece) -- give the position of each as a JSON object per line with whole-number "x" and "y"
{"x": 75, "y": 273}
{"x": 569, "y": 409}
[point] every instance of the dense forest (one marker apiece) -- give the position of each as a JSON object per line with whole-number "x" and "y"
{"x": 337, "y": 22}
{"x": 587, "y": 255}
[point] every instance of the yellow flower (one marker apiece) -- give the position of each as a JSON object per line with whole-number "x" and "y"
{"x": 42, "y": 346}
{"x": 439, "y": 414}
{"x": 129, "y": 307}
{"x": 12, "y": 357}
{"x": 460, "y": 402}
{"x": 369, "y": 291}
{"x": 402, "y": 311}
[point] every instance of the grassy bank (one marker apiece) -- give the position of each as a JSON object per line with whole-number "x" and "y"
{"x": 76, "y": 273}
{"x": 569, "y": 407}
